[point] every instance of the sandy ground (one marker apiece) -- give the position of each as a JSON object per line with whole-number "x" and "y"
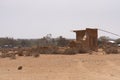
{"x": 62, "y": 67}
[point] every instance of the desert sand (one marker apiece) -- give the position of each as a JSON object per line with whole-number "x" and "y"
{"x": 62, "y": 67}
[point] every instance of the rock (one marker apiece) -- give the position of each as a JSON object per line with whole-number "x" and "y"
{"x": 20, "y": 68}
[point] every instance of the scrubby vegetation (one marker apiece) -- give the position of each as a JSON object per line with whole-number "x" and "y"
{"x": 109, "y": 46}
{"x": 12, "y": 48}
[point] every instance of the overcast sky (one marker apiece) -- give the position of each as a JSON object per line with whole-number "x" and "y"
{"x": 37, "y": 18}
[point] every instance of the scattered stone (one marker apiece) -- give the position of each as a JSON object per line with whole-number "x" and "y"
{"x": 20, "y": 68}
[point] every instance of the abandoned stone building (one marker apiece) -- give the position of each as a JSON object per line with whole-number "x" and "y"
{"x": 88, "y": 38}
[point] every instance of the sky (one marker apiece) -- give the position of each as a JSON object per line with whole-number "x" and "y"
{"x": 37, "y": 18}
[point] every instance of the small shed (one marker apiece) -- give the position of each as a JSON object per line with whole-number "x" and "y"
{"x": 88, "y": 37}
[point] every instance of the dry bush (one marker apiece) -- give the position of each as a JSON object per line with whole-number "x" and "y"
{"x": 46, "y": 51}
{"x": 20, "y": 53}
{"x": 75, "y": 50}
{"x": 111, "y": 50}
{"x": 34, "y": 51}
{"x": 71, "y": 51}
{"x": 12, "y": 56}
{"x": 54, "y": 50}
{"x": 7, "y": 53}
{"x": 35, "y": 54}
{"x": 58, "y": 51}
{"x": 3, "y": 55}
{"x": 83, "y": 50}
{"x": 27, "y": 54}
{"x": 118, "y": 49}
